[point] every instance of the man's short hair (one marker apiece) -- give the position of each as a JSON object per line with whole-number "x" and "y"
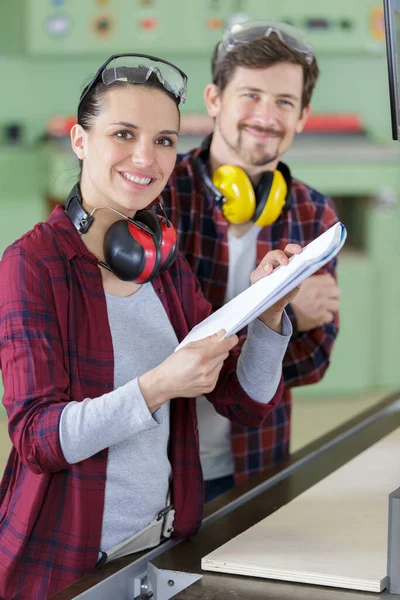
{"x": 261, "y": 53}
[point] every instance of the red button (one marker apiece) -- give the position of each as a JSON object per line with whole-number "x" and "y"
{"x": 148, "y": 24}
{"x": 215, "y": 23}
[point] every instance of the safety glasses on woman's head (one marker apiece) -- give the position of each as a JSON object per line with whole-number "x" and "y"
{"x": 137, "y": 68}
{"x": 242, "y": 33}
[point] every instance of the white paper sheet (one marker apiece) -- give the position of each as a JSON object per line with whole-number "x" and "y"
{"x": 246, "y": 307}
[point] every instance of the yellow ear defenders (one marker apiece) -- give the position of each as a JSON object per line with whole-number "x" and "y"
{"x": 241, "y": 203}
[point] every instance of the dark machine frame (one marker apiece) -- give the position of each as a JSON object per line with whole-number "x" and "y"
{"x": 392, "y": 14}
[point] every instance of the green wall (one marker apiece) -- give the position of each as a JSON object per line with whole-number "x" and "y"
{"x": 35, "y": 89}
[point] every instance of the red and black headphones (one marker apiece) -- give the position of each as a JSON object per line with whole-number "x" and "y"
{"x": 136, "y": 249}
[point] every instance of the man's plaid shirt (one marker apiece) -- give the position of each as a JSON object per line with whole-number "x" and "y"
{"x": 203, "y": 240}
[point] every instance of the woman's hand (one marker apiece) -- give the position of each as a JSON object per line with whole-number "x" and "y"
{"x": 191, "y": 371}
{"x": 272, "y": 317}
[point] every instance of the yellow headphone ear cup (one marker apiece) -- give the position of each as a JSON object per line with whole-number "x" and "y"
{"x": 234, "y": 184}
{"x": 275, "y": 201}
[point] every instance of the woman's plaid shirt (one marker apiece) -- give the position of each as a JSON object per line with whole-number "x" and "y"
{"x": 56, "y": 346}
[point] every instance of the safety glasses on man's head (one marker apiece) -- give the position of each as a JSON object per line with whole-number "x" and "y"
{"x": 242, "y": 33}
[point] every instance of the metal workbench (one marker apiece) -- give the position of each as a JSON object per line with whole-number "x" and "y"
{"x": 236, "y": 511}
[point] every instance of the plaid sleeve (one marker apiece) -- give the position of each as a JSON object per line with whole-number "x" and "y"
{"x": 31, "y": 360}
{"x": 308, "y": 353}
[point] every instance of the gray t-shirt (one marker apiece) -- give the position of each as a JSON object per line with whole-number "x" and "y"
{"x": 138, "y": 469}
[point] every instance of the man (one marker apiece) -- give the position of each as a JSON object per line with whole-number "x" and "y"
{"x": 263, "y": 78}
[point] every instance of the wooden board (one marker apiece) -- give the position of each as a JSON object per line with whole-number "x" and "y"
{"x": 334, "y": 534}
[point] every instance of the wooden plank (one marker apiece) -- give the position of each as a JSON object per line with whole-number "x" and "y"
{"x": 334, "y": 534}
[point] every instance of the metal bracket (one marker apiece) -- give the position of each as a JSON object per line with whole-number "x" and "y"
{"x": 141, "y": 588}
{"x": 162, "y": 584}
{"x": 393, "y": 570}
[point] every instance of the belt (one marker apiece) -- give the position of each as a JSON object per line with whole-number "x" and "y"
{"x": 160, "y": 528}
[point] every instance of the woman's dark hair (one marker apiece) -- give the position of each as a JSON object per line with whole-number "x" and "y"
{"x": 261, "y": 53}
{"x": 90, "y": 107}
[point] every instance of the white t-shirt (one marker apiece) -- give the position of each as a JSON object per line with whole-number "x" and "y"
{"x": 214, "y": 429}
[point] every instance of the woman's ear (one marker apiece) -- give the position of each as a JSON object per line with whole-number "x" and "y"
{"x": 78, "y": 141}
{"x": 212, "y": 99}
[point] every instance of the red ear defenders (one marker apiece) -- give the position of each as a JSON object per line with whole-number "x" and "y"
{"x": 136, "y": 249}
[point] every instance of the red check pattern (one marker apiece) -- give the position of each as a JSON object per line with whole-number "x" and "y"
{"x": 56, "y": 347}
{"x": 203, "y": 240}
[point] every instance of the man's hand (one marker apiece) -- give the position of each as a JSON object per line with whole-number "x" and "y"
{"x": 317, "y": 302}
{"x": 272, "y": 317}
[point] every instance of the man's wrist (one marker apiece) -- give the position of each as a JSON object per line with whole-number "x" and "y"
{"x": 272, "y": 320}
{"x": 291, "y": 313}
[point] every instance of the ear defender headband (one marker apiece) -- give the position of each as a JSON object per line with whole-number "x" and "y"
{"x": 238, "y": 200}
{"x": 136, "y": 250}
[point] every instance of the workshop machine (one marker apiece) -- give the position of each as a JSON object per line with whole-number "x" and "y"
{"x": 173, "y": 570}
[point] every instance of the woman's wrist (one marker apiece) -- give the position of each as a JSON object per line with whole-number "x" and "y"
{"x": 152, "y": 386}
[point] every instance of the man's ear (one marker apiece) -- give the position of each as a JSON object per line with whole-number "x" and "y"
{"x": 212, "y": 99}
{"x": 303, "y": 118}
{"x": 78, "y": 141}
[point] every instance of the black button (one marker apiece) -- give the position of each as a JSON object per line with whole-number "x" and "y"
{"x": 346, "y": 24}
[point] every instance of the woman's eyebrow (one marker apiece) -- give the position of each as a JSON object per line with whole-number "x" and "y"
{"x": 169, "y": 132}
{"x": 125, "y": 124}
{"x": 133, "y": 126}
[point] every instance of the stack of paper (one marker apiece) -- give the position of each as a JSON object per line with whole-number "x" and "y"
{"x": 240, "y": 311}
{"x": 334, "y": 534}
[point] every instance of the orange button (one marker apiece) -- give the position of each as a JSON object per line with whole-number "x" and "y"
{"x": 377, "y": 23}
{"x": 148, "y": 24}
{"x": 215, "y": 23}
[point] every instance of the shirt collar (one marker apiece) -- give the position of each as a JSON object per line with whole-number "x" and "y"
{"x": 68, "y": 235}
{"x": 202, "y": 165}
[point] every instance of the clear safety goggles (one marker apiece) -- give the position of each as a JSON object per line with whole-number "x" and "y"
{"x": 137, "y": 68}
{"x": 242, "y": 33}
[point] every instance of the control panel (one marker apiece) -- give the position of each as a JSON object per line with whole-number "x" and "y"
{"x": 192, "y": 27}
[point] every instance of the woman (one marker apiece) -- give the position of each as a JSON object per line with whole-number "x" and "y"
{"x": 101, "y": 409}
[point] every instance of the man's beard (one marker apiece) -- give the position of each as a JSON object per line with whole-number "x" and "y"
{"x": 249, "y": 157}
